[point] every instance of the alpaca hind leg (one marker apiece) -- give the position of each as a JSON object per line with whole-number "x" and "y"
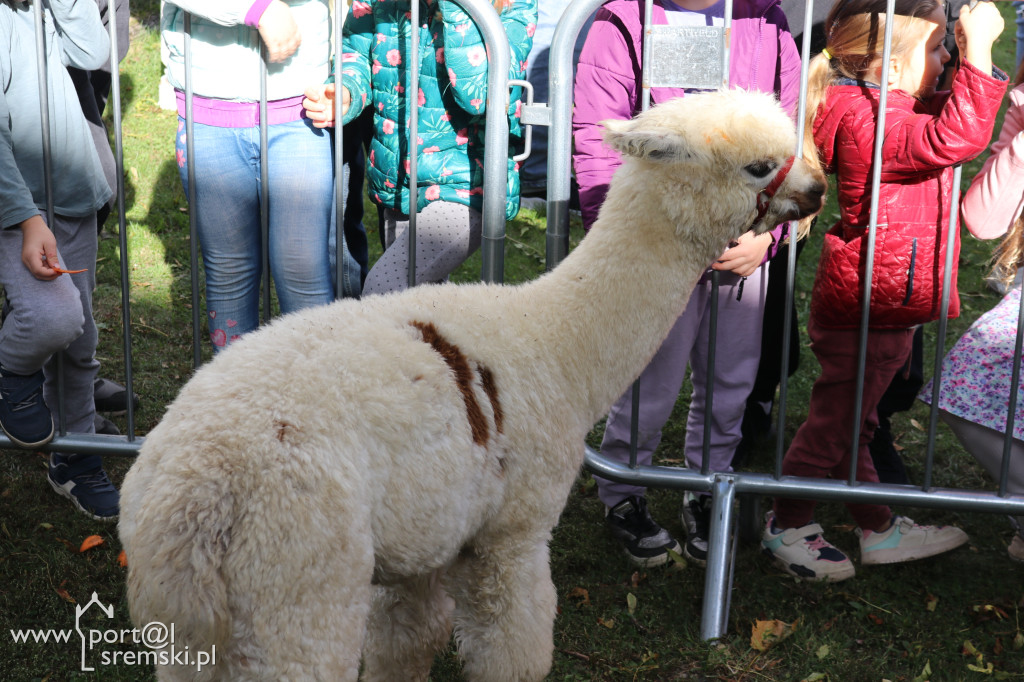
{"x": 505, "y": 612}
{"x": 409, "y": 623}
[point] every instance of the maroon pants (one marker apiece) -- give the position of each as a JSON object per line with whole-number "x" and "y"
{"x": 822, "y": 445}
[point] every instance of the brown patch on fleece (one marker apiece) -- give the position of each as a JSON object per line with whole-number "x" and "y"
{"x": 459, "y": 364}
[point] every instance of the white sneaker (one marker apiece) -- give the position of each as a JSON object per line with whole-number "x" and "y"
{"x": 906, "y": 541}
{"x": 804, "y": 553}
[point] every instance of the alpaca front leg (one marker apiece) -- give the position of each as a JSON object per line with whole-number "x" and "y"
{"x": 504, "y": 612}
{"x": 409, "y": 623}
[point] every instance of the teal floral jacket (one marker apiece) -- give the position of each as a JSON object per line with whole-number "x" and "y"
{"x": 451, "y": 97}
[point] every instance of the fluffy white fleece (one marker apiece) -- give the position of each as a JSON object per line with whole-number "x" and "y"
{"x": 341, "y": 490}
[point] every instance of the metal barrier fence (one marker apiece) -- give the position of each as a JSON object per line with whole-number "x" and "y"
{"x": 723, "y": 487}
{"x": 495, "y": 155}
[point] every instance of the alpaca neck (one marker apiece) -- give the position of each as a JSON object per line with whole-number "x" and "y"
{"x": 620, "y": 291}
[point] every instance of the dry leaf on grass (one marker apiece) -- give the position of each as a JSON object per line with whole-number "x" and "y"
{"x": 90, "y": 542}
{"x": 767, "y": 633}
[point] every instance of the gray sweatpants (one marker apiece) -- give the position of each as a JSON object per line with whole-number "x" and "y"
{"x": 51, "y": 319}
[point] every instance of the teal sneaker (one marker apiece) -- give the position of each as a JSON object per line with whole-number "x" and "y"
{"x": 804, "y": 553}
{"x": 907, "y": 541}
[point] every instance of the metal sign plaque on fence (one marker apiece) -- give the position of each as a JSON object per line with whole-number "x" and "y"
{"x": 687, "y": 57}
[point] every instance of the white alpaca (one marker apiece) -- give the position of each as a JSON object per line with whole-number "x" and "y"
{"x": 353, "y": 481}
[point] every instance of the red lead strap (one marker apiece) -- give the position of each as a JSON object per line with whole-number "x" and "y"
{"x": 764, "y": 197}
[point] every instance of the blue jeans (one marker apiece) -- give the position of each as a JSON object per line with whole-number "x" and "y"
{"x": 227, "y": 209}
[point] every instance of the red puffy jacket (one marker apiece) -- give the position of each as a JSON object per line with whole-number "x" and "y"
{"x": 923, "y": 140}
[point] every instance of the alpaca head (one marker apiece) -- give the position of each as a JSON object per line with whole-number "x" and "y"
{"x": 725, "y": 155}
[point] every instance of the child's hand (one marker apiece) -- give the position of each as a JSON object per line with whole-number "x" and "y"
{"x": 975, "y": 32}
{"x": 279, "y": 31}
{"x": 319, "y": 104}
{"x": 745, "y": 256}
{"x": 38, "y": 249}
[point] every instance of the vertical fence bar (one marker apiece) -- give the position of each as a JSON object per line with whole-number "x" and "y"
{"x": 193, "y": 227}
{"x": 788, "y": 309}
{"x": 264, "y": 184}
{"x": 413, "y": 148}
{"x": 340, "y": 180}
{"x": 122, "y": 231}
{"x": 714, "y": 614}
{"x": 1011, "y": 407}
{"x": 940, "y": 340}
{"x": 43, "y": 72}
{"x": 869, "y": 261}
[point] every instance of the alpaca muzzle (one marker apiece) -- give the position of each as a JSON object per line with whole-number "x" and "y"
{"x": 765, "y": 196}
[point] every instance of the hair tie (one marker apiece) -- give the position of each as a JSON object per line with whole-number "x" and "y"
{"x": 828, "y": 55}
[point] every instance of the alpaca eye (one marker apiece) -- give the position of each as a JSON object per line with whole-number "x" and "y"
{"x": 760, "y": 169}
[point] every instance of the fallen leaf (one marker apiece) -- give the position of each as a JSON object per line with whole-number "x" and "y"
{"x": 678, "y": 562}
{"x": 45, "y": 526}
{"x": 816, "y": 677}
{"x": 63, "y": 593}
{"x": 931, "y": 602}
{"x": 916, "y": 424}
{"x": 610, "y": 623}
{"x": 875, "y": 618}
{"x": 926, "y": 673}
{"x": 122, "y": 561}
{"x": 576, "y": 593}
{"x": 631, "y": 603}
{"x": 1018, "y": 641}
{"x": 766, "y": 633}
{"x": 90, "y": 542}
{"x": 823, "y": 652}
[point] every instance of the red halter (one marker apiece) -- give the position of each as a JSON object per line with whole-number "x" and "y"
{"x": 764, "y": 197}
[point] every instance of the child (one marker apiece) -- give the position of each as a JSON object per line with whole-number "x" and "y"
{"x": 763, "y": 57}
{"x": 226, "y": 43}
{"x": 452, "y": 93}
{"x": 976, "y": 372}
{"x": 926, "y": 134}
{"x": 51, "y": 312}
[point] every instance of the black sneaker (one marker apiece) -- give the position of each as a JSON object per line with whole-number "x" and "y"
{"x": 91, "y": 491}
{"x": 112, "y": 398}
{"x": 646, "y": 543}
{"x": 24, "y": 416}
{"x": 696, "y": 518}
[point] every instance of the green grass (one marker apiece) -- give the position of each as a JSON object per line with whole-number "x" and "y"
{"x": 890, "y": 622}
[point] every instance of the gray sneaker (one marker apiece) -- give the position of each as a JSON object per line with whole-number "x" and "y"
{"x": 646, "y": 543}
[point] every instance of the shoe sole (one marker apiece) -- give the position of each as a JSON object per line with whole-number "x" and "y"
{"x": 74, "y": 500}
{"x": 24, "y": 444}
{"x": 703, "y": 563}
{"x": 896, "y": 555}
{"x": 652, "y": 561}
{"x": 836, "y": 577}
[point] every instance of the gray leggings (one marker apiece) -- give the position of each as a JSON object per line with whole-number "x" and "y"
{"x": 55, "y": 317}
{"x": 446, "y": 235}
{"x": 986, "y": 445}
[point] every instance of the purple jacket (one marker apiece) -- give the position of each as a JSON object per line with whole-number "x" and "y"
{"x": 763, "y": 57}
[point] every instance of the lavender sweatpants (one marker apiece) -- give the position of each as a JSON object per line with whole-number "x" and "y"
{"x": 737, "y": 356}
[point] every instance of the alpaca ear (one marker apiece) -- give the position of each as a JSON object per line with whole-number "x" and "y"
{"x": 630, "y": 139}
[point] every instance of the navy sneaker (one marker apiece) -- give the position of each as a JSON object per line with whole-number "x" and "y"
{"x": 646, "y": 543}
{"x": 24, "y": 416}
{"x": 91, "y": 492}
